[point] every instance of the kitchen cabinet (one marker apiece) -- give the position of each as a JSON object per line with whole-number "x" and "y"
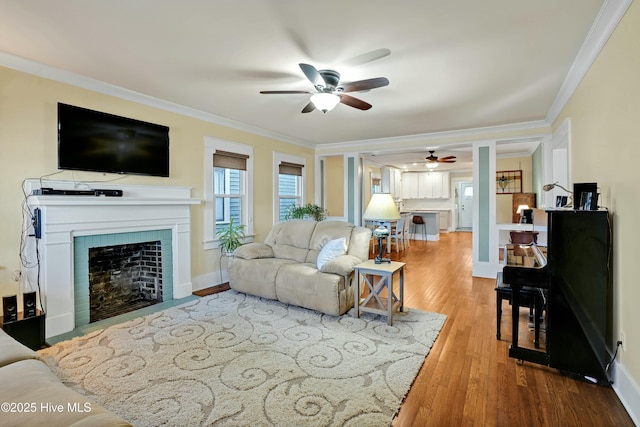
{"x": 444, "y": 220}
{"x": 410, "y": 185}
{"x": 425, "y": 185}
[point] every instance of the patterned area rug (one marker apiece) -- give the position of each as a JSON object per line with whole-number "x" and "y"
{"x": 238, "y": 360}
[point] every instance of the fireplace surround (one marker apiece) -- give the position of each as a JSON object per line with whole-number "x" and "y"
{"x": 141, "y": 209}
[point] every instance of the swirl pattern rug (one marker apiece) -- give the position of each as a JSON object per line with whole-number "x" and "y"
{"x": 232, "y": 359}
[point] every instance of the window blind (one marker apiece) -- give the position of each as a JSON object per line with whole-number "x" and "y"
{"x": 286, "y": 168}
{"x": 229, "y": 160}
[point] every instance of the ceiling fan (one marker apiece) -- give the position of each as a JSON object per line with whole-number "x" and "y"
{"x": 329, "y": 92}
{"x": 432, "y": 160}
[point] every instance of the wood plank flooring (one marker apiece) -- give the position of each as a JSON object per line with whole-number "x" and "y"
{"x": 468, "y": 378}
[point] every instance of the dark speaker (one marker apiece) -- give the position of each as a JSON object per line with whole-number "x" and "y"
{"x": 29, "y": 304}
{"x": 9, "y": 308}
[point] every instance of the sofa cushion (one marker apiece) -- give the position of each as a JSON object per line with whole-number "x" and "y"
{"x": 253, "y": 251}
{"x": 290, "y": 239}
{"x": 332, "y": 249}
{"x": 256, "y": 276}
{"x": 305, "y": 286}
{"x": 12, "y": 351}
{"x": 31, "y": 381}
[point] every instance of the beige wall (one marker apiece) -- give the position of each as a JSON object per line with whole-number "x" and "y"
{"x": 28, "y": 149}
{"x": 605, "y": 129}
{"x": 334, "y": 185}
{"x": 504, "y": 201}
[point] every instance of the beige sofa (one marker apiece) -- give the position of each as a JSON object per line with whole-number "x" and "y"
{"x": 285, "y": 266}
{"x": 31, "y": 395}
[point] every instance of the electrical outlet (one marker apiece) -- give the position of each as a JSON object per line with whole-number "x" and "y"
{"x": 623, "y": 338}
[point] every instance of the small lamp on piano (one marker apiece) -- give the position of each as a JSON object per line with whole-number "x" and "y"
{"x": 382, "y": 208}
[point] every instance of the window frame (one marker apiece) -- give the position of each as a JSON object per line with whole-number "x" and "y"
{"x": 289, "y": 158}
{"x": 210, "y": 147}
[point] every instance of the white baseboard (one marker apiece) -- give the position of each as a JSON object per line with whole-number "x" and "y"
{"x": 210, "y": 279}
{"x": 627, "y": 390}
{"x": 182, "y": 290}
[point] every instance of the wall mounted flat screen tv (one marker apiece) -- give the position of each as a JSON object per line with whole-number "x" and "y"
{"x": 90, "y": 140}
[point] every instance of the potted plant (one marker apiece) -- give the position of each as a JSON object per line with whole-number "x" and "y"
{"x": 230, "y": 237}
{"x": 308, "y": 211}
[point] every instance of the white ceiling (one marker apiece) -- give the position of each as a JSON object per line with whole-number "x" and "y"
{"x": 460, "y": 64}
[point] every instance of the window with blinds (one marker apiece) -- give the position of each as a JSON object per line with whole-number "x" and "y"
{"x": 229, "y": 170}
{"x": 290, "y": 185}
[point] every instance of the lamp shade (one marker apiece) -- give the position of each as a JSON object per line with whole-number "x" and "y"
{"x": 382, "y": 208}
{"x": 325, "y": 101}
{"x": 521, "y": 208}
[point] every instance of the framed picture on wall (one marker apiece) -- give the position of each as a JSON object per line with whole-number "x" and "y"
{"x": 509, "y": 182}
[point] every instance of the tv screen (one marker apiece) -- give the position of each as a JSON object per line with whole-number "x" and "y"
{"x": 89, "y": 140}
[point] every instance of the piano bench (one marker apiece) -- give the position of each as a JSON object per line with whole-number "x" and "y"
{"x": 529, "y": 297}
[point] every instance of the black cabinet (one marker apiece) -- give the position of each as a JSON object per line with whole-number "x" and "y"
{"x": 29, "y": 331}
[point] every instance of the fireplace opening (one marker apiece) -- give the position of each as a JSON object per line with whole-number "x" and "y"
{"x": 123, "y": 278}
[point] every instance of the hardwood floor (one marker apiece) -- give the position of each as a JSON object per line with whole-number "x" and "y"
{"x": 468, "y": 378}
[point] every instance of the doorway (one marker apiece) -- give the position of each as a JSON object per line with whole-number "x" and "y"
{"x": 465, "y": 206}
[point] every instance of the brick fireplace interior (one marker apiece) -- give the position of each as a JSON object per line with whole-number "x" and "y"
{"x": 123, "y": 278}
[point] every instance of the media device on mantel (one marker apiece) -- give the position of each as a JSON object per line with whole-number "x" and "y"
{"x": 576, "y": 279}
{"x": 46, "y": 191}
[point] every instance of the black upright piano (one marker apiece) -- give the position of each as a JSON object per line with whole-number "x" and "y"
{"x": 575, "y": 276}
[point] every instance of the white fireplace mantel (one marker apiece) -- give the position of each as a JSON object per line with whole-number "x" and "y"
{"x": 141, "y": 208}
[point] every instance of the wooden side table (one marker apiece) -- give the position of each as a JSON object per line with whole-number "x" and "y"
{"x": 377, "y": 278}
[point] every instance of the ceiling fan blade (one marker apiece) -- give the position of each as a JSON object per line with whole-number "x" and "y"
{"x": 286, "y": 92}
{"x": 446, "y": 161}
{"x": 448, "y": 158}
{"x": 309, "y": 108}
{"x": 312, "y": 74}
{"x": 365, "y": 84}
{"x": 354, "y": 102}
{"x": 367, "y": 57}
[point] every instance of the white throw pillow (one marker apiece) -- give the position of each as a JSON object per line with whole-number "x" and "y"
{"x": 331, "y": 250}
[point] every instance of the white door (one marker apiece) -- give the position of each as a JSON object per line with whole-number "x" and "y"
{"x": 465, "y": 205}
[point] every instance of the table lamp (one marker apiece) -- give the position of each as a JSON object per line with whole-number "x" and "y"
{"x": 381, "y": 208}
{"x": 522, "y": 211}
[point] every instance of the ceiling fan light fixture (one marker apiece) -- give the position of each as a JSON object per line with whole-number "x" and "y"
{"x": 432, "y": 165}
{"x": 325, "y": 101}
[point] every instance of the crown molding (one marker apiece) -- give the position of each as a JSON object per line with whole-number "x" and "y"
{"x": 384, "y": 144}
{"x": 28, "y": 66}
{"x": 603, "y": 26}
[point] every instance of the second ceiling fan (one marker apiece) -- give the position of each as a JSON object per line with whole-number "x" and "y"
{"x": 329, "y": 92}
{"x": 433, "y": 160}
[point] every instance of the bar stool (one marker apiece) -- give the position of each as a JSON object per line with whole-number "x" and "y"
{"x": 418, "y": 221}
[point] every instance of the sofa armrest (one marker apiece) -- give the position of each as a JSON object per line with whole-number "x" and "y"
{"x": 12, "y": 351}
{"x": 342, "y": 265}
{"x": 253, "y": 251}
